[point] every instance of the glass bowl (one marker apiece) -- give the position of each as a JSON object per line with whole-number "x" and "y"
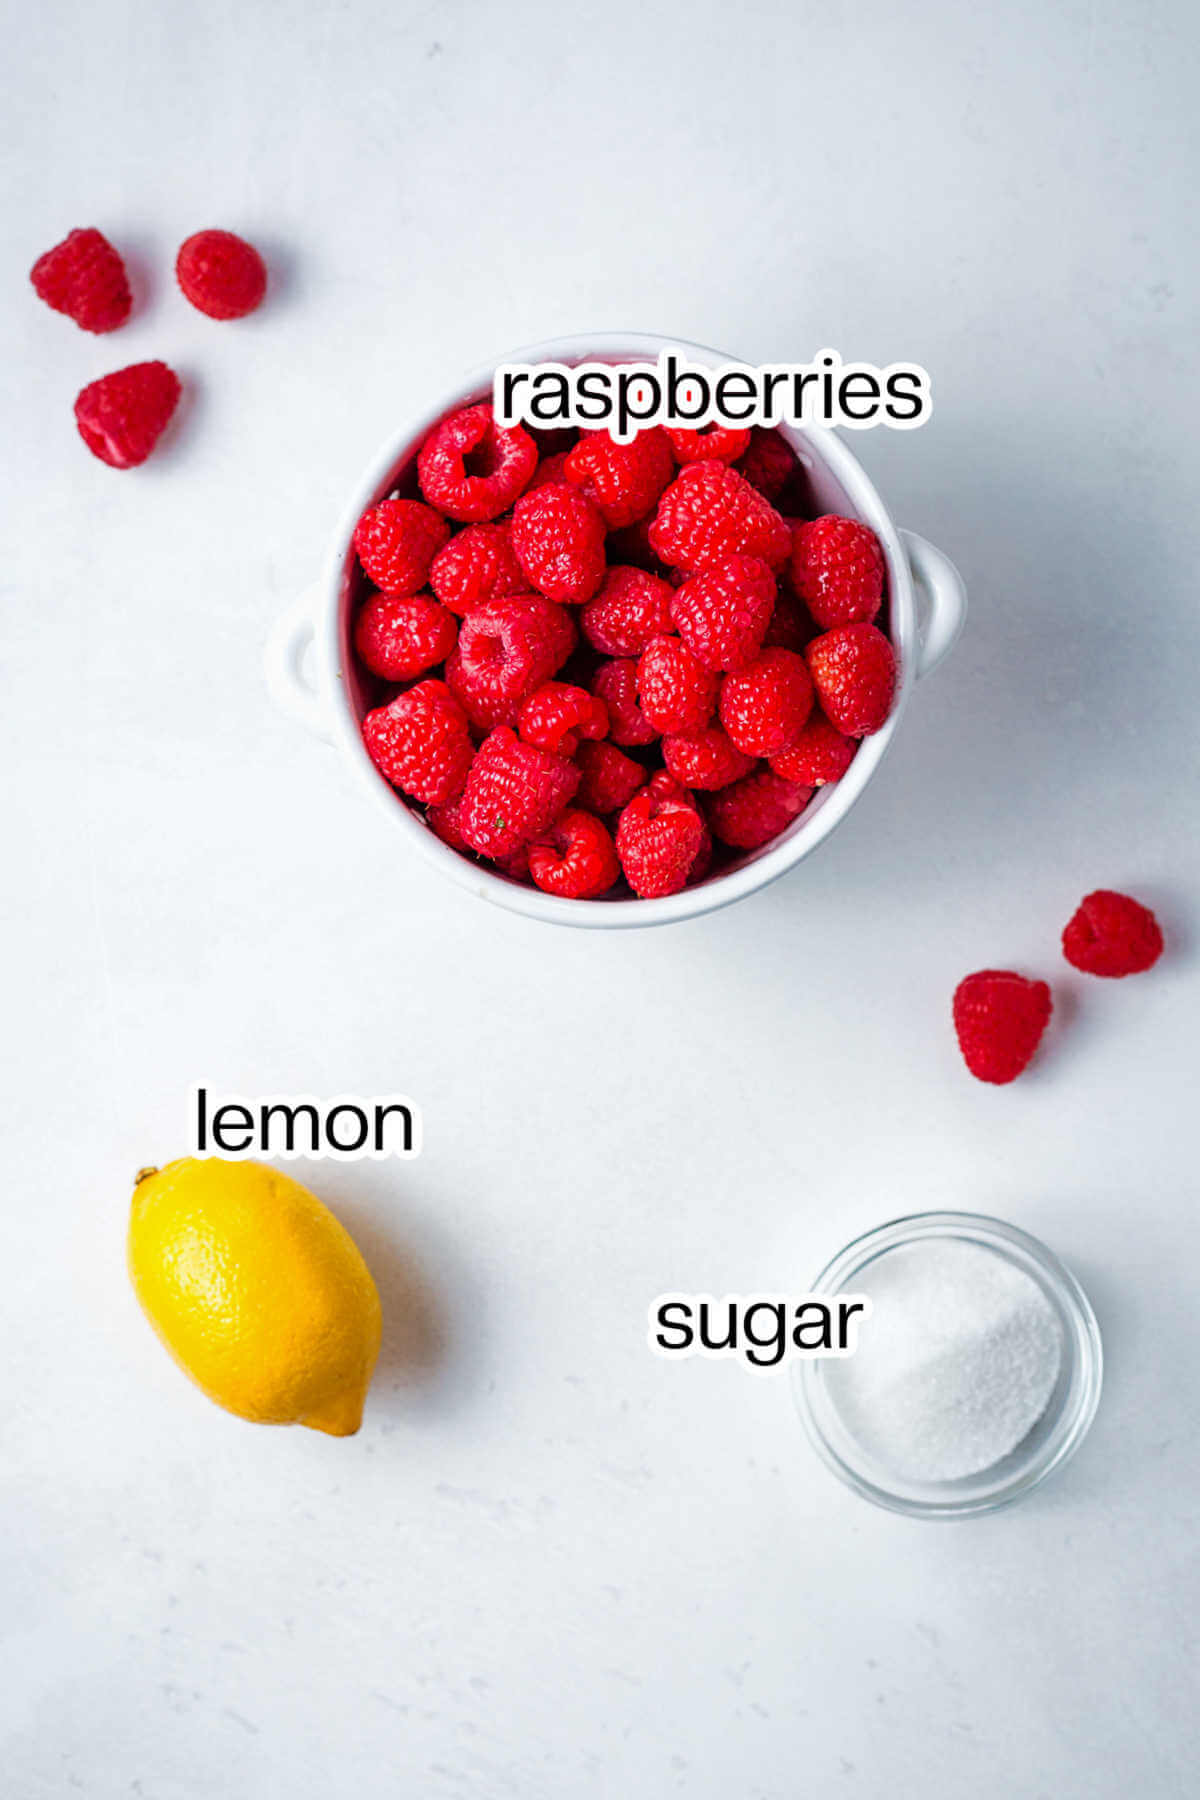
{"x": 1052, "y": 1441}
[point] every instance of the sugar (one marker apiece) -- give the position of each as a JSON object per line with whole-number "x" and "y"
{"x": 956, "y": 1364}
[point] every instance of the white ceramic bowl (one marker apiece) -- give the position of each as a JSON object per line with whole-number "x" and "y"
{"x": 926, "y": 607}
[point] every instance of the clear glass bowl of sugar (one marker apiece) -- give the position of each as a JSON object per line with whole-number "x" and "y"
{"x": 976, "y": 1372}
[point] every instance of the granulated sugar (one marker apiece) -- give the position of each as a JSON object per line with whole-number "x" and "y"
{"x": 955, "y": 1365}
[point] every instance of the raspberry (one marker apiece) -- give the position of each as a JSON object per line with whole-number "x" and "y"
{"x": 505, "y": 649}
{"x": 471, "y": 469}
{"x": 616, "y": 684}
{"x": 999, "y": 1019}
{"x": 837, "y": 568}
{"x": 756, "y": 809}
{"x": 854, "y": 672}
{"x": 513, "y": 792}
{"x": 704, "y": 855}
{"x": 659, "y": 836}
{"x": 122, "y": 416}
{"x": 763, "y": 708}
{"x": 221, "y": 274}
{"x": 1112, "y": 935}
{"x": 768, "y": 464}
{"x": 623, "y": 480}
{"x": 396, "y": 542}
{"x": 608, "y": 778}
{"x": 558, "y": 536}
{"x": 820, "y": 754}
{"x": 515, "y": 865}
{"x": 399, "y": 637}
{"x": 477, "y": 565}
{"x": 790, "y": 627}
{"x": 550, "y": 472}
{"x": 675, "y": 690}
{"x": 705, "y": 759}
{"x": 711, "y": 443}
{"x": 576, "y": 859}
{"x": 557, "y": 715}
{"x": 444, "y": 822}
{"x": 419, "y": 741}
{"x": 631, "y": 608}
{"x": 709, "y": 512}
{"x": 723, "y": 613}
{"x": 85, "y": 278}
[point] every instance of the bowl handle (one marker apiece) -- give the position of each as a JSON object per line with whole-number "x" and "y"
{"x": 941, "y": 595}
{"x": 283, "y": 663}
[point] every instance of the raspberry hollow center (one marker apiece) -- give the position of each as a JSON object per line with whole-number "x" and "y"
{"x": 488, "y": 652}
{"x": 483, "y": 460}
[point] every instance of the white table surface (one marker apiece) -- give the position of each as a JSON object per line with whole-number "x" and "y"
{"x": 551, "y": 1565}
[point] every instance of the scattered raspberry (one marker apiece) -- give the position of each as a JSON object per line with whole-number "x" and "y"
{"x": 768, "y": 464}
{"x": 1112, "y": 935}
{"x": 550, "y": 472}
{"x": 576, "y": 859}
{"x": 85, "y": 278}
{"x": 558, "y": 536}
{"x": 790, "y": 627}
{"x": 477, "y": 565}
{"x": 631, "y": 608}
{"x": 471, "y": 469}
{"x": 122, "y": 416}
{"x": 616, "y": 684}
{"x": 608, "y": 778}
{"x": 711, "y": 443}
{"x": 820, "y": 754}
{"x": 419, "y": 741}
{"x": 396, "y": 542}
{"x": 705, "y": 759}
{"x": 513, "y": 793}
{"x": 854, "y": 672}
{"x": 399, "y": 637}
{"x": 659, "y": 836}
{"x": 505, "y": 649}
{"x": 557, "y": 715}
{"x": 756, "y": 809}
{"x": 444, "y": 821}
{"x": 764, "y": 707}
{"x": 675, "y": 690}
{"x": 722, "y": 614}
{"x": 623, "y": 480}
{"x": 999, "y": 1019}
{"x": 221, "y": 274}
{"x": 837, "y": 569}
{"x": 709, "y": 512}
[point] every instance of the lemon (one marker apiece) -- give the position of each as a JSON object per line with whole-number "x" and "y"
{"x": 258, "y": 1292}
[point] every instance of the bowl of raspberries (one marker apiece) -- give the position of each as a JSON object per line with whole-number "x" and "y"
{"x": 614, "y": 684}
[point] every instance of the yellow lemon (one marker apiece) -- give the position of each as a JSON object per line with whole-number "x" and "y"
{"x": 258, "y": 1292}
